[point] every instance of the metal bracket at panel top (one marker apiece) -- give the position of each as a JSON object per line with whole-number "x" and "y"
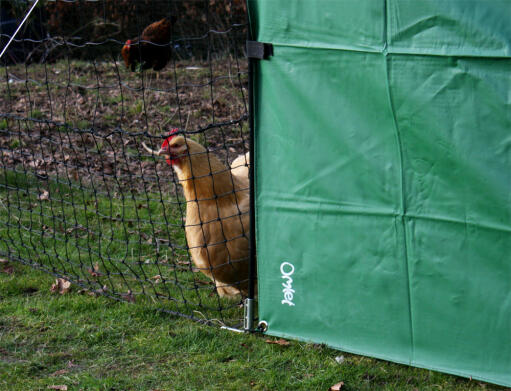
{"x": 259, "y": 50}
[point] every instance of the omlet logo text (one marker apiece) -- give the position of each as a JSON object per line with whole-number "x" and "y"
{"x": 287, "y": 269}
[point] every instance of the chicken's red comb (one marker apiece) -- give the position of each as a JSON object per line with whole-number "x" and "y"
{"x": 171, "y": 135}
{"x": 166, "y": 142}
{"x": 128, "y": 42}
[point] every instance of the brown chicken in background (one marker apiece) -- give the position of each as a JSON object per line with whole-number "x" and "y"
{"x": 217, "y": 211}
{"x": 145, "y": 53}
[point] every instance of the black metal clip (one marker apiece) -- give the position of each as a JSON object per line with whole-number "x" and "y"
{"x": 259, "y": 50}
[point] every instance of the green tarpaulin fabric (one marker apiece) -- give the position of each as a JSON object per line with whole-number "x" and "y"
{"x": 383, "y": 179}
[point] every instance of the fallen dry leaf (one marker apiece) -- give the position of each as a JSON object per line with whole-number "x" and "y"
{"x": 86, "y": 292}
{"x": 8, "y": 269}
{"x": 44, "y": 195}
{"x": 281, "y": 342}
{"x": 61, "y": 387}
{"x": 62, "y": 286}
{"x": 129, "y": 297}
{"x": 156, "y": 278}
{"x": 336, "y": 387}
{"x": 94, "y": 272}
{"x": 71, "y": 364}
{"x": 60, "y": 372}
{"x": 339, "y": 359}
{"x": 201, "y": 282}
{"x": 101, "y": 290}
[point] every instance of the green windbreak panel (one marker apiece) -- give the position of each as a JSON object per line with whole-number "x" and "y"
{"x": 355, "y": 24}
{"x": 454, "y": 120}
{"x": 452, "y": 27}
{"x": 346, "y": 246}
{"x": 383, "y": 179}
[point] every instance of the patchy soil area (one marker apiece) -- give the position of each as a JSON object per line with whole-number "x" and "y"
{"x": 87, "y": 120}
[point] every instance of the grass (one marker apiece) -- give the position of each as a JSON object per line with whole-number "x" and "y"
{"x": 38, "y": 114}
{"x": 127, "y": 245}
{"x": 137, "y": 107}
{"x": 89, "y": 343}
{"x": 95, "y": 343}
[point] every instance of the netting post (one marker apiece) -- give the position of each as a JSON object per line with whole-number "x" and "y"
{"x": 255, "y": 51}
{"x": 248, "y": 318}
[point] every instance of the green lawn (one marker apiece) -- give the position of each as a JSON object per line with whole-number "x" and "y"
{"x": 95, "y": 343}
{"x": 87, "y": 342}
{"x": 109, "y": 240}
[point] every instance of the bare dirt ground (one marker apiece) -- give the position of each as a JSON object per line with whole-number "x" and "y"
{"x": 87, "y": 120}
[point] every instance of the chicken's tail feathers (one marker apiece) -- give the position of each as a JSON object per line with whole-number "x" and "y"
{"x": 241, "y": 160}
{"x": 240, "y": 165}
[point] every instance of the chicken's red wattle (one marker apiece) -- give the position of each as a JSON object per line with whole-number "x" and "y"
{"x": 166, "y": 142}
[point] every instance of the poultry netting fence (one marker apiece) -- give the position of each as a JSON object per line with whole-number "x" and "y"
{"x": 86, "y": 192}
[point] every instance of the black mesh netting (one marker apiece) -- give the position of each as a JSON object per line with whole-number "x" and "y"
{"x": 80, "y": 195}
